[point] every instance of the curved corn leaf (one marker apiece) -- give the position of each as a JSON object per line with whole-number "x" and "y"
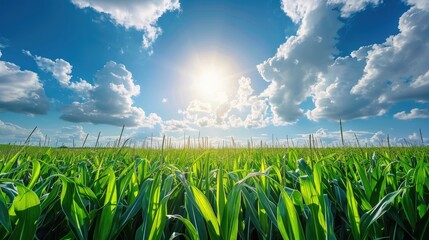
{"x": 35, "y": 174}
{"x": 27, "y": 208}
{"x": 4, "y": 214}
{"x": 207, "y": 212}
{"x": 287, "y": 218}
{"x": 352, "y": 212}
{"x": 107, "y": 219}
{"x": 376, "y": 212}
{"x": 230, "y": 217}
{"x": 75, "y": 211}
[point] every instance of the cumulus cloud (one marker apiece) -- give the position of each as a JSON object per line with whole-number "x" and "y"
{"x": 141, "y": 15}
{"x": 422, "y": 4}
{"x": 242, "y": 109}
{"x": 413, "y": 114}
{"x": 398, "y": 69}
{"x": 12, "y": 132}
{"x": 378, "y": 138}
{"x": 196, "y": 106}
{"x": 332, "y": 95}
{"x": 70, "y": 134}
{"x": 61, "y": 70}
{"x": 110, "y": 101}
{"x": 334, "y": 137}
{"x": 21, "y": 91}
{"x": 294, "y": 68}
{"x": 365, "y": 83}
{"x": 349, "y": 7}
{"x": 170, "y": 126}
{"x": 373, "y": 78}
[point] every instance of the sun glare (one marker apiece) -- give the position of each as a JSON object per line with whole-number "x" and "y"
{"x": 212, "y": 79}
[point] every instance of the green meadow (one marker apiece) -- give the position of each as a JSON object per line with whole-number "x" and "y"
{"x": 231, "y": 193}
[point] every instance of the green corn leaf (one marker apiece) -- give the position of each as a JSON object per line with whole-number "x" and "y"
{"x": 352, "y": 212}
{"x": 408, "y": 204}
{"x": 303, "y": 166}
{"x": 329, "y": 219}
{"x": 316, "y": 224}
{"x": 192, "y": 232}
{"x": 376, "y": 212}
{"x": 35, "y": 174}
{"x": 422, "y": 228}
{"x": 220, "y": 196}
{"x": 74, "y": 209}
{"x": 267, "y": 204}
{"x": 4, "y": 214}
{"x": 52, "y": 197}
{"x": 8, "y": 166}
{"x": 195, "y": 216}
{"x": 249, "y": 203}
{"x": 86, "y": 192}
{"x": 27, "y": 208}
{"x": 207, "y": 212}
{"x": 107, "y": 220}
{"x": 84, "y": 177}
{"x": 420, "y": 177}
{"x": 365, "y": 181}
{"x": 160, "y": 220}
{"x": 134, "y": 188}
{"x": 287, "y": 218}
{"x": 230, "y": 219}
{"x": 133, "y": 209}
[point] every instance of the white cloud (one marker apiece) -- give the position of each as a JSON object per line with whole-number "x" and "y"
{"x": 61, "y": 70}
{"x": 378, "y": 138}
{"x": 297, "y": 10}
{"x": 164, "y": 100}
{"x": 331, "y": 94}
{"x": 12, "y": 132}
{"x": 66, "y": 135}
{"x": 82, "y": 87}
{"x": 170, "y": 126}
{"x": 141, "y": 15}
{"x": 196, "y": 106}
{"x": 294, "y": 68}
{"x": 329, "y": 137}
{"x": 398, "y": 69}
{"x": 110, "y": 101}
{"x": 242, "y": 109}
{"x": 414, "y": 137}
{"x": 422, "y": 4}
{"x": 21, "y": 91}
{"x": 366, "y": 83}
{"x": 414, "y": 113}
{"x": 351, "y": 6}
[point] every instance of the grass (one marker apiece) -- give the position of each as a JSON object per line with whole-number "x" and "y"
{"x": 267, "y": 193}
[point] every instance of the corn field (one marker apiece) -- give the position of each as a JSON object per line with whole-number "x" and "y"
{"x": 267, "y": 193}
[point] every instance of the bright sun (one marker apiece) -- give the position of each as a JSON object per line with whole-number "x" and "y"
{"x": 212, "y": 79}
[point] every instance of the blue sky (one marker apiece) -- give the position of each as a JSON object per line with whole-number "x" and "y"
{"x": 246, "y": 69}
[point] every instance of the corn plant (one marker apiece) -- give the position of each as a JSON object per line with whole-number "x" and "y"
{"x": 266, "y": 193}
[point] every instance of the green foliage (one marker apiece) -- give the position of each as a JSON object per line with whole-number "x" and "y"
{"x": 338, "y": 193}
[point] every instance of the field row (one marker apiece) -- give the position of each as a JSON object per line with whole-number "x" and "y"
{"x": 340, "y": 193}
